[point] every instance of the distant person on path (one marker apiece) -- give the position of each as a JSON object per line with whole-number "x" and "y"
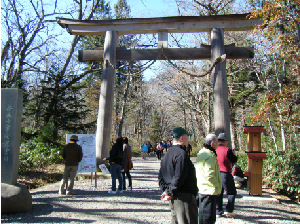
{"x": 164, "y": 146}
{"x": 144, "y": 150}
{"x": 72, "y": 154}
{"x": 115, "y": 159}
{"x": 226, "y": 157}
{"x": 208, "y": 179}
{"x": 159, "y": 149}
{"x": 168, "y": 145}
{"x": 126, "y": 158}
{"x": 149, "y": 148}
{"x": 177, "y": 180}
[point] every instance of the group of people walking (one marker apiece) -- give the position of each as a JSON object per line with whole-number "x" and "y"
{"x": 184, "y": 188}
{"x": 158, "y": 150}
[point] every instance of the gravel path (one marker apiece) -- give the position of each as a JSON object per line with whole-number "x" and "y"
{"x": 141, "y": 205}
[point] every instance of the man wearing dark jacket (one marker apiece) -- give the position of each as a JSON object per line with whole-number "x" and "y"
{"x": 177, "y": 180}
{"x": 226, "y": 158}
{"x": 72, "y": 154}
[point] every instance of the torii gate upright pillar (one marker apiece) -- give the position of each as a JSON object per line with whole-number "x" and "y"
{"x": 220, "y": 87}
{"x": 104, "y": 121}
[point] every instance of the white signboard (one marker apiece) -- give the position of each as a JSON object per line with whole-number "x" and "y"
{"x": 88, "y": 144}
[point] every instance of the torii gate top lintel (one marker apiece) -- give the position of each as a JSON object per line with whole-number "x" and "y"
{"x": 176, "y": 24}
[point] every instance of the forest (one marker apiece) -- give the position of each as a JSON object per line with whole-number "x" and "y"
{"x": 61, "y": 94}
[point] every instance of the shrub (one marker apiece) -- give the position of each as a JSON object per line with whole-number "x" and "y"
{"x": 38, "y": 154}
{"x": 242, "y": 160}
{"x": 282, "y": 173}
{"x": 41, "y": 150}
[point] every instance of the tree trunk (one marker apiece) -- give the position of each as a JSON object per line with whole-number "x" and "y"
{"x": 122, "y": 113}
{"x": 273, "y": 135}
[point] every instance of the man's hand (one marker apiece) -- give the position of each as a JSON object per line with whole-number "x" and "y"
{"x": 165, "y": 197}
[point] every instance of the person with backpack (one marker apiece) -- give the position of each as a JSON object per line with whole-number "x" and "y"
{"x": 159, "y": 150}
{"x": 115, "y": 160}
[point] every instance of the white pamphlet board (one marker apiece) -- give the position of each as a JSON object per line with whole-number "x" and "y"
{"x": 88, "y": 144}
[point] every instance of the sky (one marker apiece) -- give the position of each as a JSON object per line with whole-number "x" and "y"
{"x": 151, "y": 8}
{"x": 148, "y": 9}
{"x": 139, "y": 9}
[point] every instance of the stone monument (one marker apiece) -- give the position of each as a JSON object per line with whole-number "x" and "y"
{"x": 11, "y": 114}
{"x": 14, "y": 197}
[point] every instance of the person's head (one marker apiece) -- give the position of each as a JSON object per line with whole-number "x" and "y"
{"x": 211, "y": 140}
{"x": 119, "y": 140}
{"x": 125, "y": 140}
{"x": 222, "y": 138}
{"x": 74, "y": 138}
{"x": 180, "y": 136}
{"x": 145, "y": 143}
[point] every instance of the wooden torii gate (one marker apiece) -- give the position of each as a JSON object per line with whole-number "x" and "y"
{"x": 216, "y": 25}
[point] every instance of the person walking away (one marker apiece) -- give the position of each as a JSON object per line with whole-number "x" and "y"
{"x": 164, "y": 146}
{"x": 208, "y": 179}
{"x": 168, "y": 145}
{"x": 177, "y": 180}
{"x": 149, "y": 148}
{"x": 159, "y": 149}
{"x": 144, "y": 150}
{"x": 72, "y": 154}
{"x": 115, "y": 159}
{"x": 226, "y": 157}
{"x": 126, "y": 158}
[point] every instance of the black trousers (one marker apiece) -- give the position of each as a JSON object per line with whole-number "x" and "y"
{"x": 184, "y": 209}
{"x": 207, "y": 209}
{"x": 129, "y": 179}
{"x": 229, "y": 186}
{"x": 158, "y": 153}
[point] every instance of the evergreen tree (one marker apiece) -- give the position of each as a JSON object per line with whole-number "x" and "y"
{"x": 57, "y": 104}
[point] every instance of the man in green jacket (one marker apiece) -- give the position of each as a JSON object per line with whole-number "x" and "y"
{"x": 208, "y": 179}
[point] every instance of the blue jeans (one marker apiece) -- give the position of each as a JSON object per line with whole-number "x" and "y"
{"x": 115, "y": 170}
{"x": 229, "y": 187}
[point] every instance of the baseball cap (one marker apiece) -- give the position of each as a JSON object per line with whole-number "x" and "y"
{"x": 179, "y": 132}
{"x": 74, "y": 138}
{"x": 223, "y": 136}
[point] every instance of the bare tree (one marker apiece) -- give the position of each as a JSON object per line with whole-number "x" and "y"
{"x": 26, "y": 25}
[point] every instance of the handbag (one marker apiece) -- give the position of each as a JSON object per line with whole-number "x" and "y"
{"x": 130, "y": 164}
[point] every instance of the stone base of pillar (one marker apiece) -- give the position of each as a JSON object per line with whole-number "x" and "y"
{"x": 15, "y": 198}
